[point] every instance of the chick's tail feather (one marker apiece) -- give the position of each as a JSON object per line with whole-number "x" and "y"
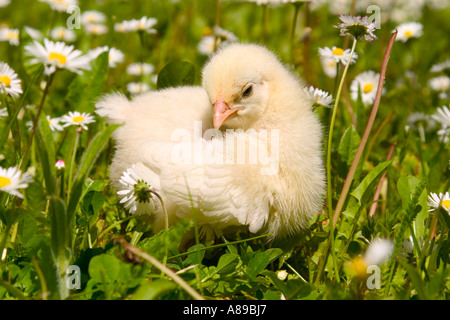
{"x": 114, "y": 107}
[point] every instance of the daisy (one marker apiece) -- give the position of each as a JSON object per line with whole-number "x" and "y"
{"x": 137, "y": 69}
{"x": 367, "y": 82}
{"x": 77, "y": 119}
{"x": 435, "y": 201}
{"x": 4, "y": 3}
{"x": 329, "y": 66}
{"x": 96, "y": 28}
{"x": 54, "y": 124}
{"x": 9, "y": 83}
{"x": 34, "y": 33}
{"x": 137, "y": 87}
{"x": 337, "y": 54}
{"x": 135, "y": 194}
{"x": 63, "y": 34}
{"x": 10, "y": 35}
{"x": 115, "y": 56}
{"x": 60, "y": 5}
{"x": 378, "y": 252}
{"x": 3, "y": 112}
{"x": 92, "y": 16}
{"x": 409, "y": 30}
{"x": 143, "y": 24}
{"x": 12, "y": 179}
{"x": 120, "y": 27}
{"x": 442, "y": 116}
{"x": 319, "y": 97}
{"x": 58, "y": 55}
{"x": 359, "y": 28}
{"x": 211, "y": 42}
{"x": 440, "y": 66}
{"x": 441, "y": 83}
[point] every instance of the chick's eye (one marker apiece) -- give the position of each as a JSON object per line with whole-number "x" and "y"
{"x": 247, "y": 91}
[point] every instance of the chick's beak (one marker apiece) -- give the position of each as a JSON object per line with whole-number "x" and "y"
{"x": 222, "y": 112}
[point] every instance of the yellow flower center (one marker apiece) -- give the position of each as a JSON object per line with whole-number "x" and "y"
{"x": 367, "y": 88}
{"x": 338, "y": 51}
{"x": 5, "y": 80}
{"x": 4, "y": 181}
{"x": 359, "y": 267}
{"x": 445, "y": 204}
{"x": 78, "y": 119}
{"x": 408, "y": 34}
{"x": 12, "y": 35}
{"x": 57, "y": 56}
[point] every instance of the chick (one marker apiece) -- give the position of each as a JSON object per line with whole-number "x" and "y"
{"x": 264, "y": 168}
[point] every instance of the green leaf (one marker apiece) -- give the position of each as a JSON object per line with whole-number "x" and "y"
{"x": 257, "y": 263}
{"x": 227, "y": 263}
{"x": 155, "y": 245}
{"x": 87, "y": 161}
{"x": 47, "y": 153}
{"x": 104, "y": 267}
{"x": 176, "y": 73}
{"x": 86, "y": 88}
{"x": 349, "y": 145}
{"x": 61, "y": 233}
{"x": 153, "y": 290}
{"x": 360, "y": 195}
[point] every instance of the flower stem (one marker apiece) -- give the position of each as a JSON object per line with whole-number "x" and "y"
{"x": 26, "y": 154}
{"x": 330, "y": 139}
{"x": 365, "y": 136}
{"x": 72, "y": 162}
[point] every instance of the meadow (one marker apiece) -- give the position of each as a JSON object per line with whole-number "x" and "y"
{"x": 384, "y": 230}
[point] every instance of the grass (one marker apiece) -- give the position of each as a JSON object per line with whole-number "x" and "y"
{"x": 380, "y": 174}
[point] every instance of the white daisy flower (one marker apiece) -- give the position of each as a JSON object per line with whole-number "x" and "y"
{"x": 60, "y": 5}
{"x": 63, "y": 34}
{"x": 409, "y": 30}
{"x": 143, "y": 24}
{"x": 8, "y": 81}
{"x": 120, "y": 27}
{"x": 96, "y": 28}
{"x": 4, "y": 3}
{"x": 440, "y": 84}
{"x": 137, "y": 87}
{"x": 359, "y": 28}
{"x": 54, "y": 124}
{"x": 58, "y": 55}
{"x": 135, "y": 194}
{"x": 138, "y": 68}
{"x": 319, "y": 97}
{"x": 435, "y": 201}
{"x": 115, "y": 56}
{"x": 442, "y": 116}
{"x": 220, "y": 37}
{"x": 77, "y": 119}
{"x": 439, "y": 67}
{"x": 378, "y": 252}
{"x": 337, "y": 54}
{"x": 12, "y": 179}
{"x": 34, "y": 33}
{"x": 329, "y": 67}
{"x": 92, "y": 17}
{"x": 367, "y": 82}
{"x": 10, "y": 35}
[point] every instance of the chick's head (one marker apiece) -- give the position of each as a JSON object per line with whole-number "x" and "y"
{"x": 238, "y": 79}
